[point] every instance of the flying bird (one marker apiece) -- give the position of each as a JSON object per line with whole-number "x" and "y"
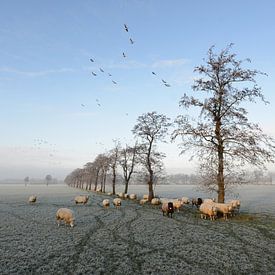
{"x": 126, "y": 28}
{"x": 153, "y": 73}
{"x": 109, "y": 74}
{"x": 131, "y": 40}
{"x": 114, "y": 82}
{"x": 101, "y": 70}
{"x": 163, "y": 81}
{"x": 94, "y": 74}
{"x": 92, "y": 60}
{"x": 98, "y": 104}
{"x": 82, "y": 105}
{"x": 124, "y": 55}
{"x": 167, "y": 85}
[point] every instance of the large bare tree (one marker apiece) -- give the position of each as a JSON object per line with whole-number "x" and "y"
{"x": 151, "y": 127}
{"x": 222, "y": 134}
{"x": 128, "y": 162}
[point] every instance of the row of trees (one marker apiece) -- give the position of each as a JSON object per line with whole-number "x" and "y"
{"x": 221, "y": 137}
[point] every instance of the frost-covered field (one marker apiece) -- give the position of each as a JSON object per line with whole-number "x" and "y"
{"x": 129, "y": 240}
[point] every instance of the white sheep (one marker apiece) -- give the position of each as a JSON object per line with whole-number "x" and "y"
{"x": 185, "y": 200}
{"x": 32, "y": 199}
{"x": 106, "y": 203}
{"x": 117, "y": 202}
{"x": 81, "y": 199}
{"x": 126, "y": 196}
{"x": 155, "y": 201}
{"x": 146, "y": 197}
{"x": 208, "y": 209}
{"x": 121, "y": 195}
{"x": 236, "y": 204}
{"x": 109, "y": 193}
{"x": 177, "y": 203}
{"x": 208, "y": 200}
{"x": 133, "y": 196}
{"x": 142, "y": 201}
{"x": 66, "y": 215}
{"x": 224, "y": 208}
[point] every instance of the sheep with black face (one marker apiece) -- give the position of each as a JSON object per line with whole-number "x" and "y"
{"x": 168, "y": 208}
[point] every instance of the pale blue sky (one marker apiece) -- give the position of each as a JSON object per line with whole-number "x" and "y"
{"x": 45, "y": 72}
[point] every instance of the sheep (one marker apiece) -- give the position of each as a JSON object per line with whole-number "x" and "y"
{"x": 208, "y": 200}
{"x": 142, "y": 201}
{"x": 133, "y": 196}
{"x": 106, "y": 203}
{"x": 208, "y": 209}
{"x": 66, "y": 215}
{"x": 177, "y": 204}
{"x": 121, "y": 195}
{"x": 109, "y": 193}
{"x": 117, "y": 202}
{"x": 167, "y": 208}
{"x": 81, "y": 199}
{"x": 224, "y": 208}
{"x": 155, "y": 201}
{"x": 146, "y": 197}
{"x": 126, "y": 196}
{"x": 32, "y": 199}
{"x": 197, "y": 202}
{"x": 185, "y": 200}
{"x": 236, "y": 204}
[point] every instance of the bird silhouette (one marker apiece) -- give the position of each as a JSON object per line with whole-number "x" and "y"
{"x": 167, "y": 85}
{"x": 114, "y": 82}
{"x": 101, "y": 70}
{"x": 109, "y": 74}
{"x": 92, "y": 60}
{"x": 126, "y": 28}
{"x": 131, "y": 40}
{"x": 124, "y": 55}
{"x": 82, "y": 105}
{"x": 94, "y": 74}
{"x": 98, "y": 104}
{"x": 153, "y": 73}
{"x": 163, "y": 81}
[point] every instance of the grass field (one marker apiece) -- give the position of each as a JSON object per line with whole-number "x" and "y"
{"x": 131, "y": 240}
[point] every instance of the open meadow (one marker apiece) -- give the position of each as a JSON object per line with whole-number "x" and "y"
{"x": 133, "y": 239}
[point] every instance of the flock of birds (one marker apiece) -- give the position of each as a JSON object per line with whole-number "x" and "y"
{"x": 124, "y": 55}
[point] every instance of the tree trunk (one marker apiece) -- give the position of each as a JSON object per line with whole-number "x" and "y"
{"x": 150, "y": 183}
{"x": 114, "y": 181}
{"x": 220, "y": 176}
{"x": 96, "y": 180}
{"x": 126, "y": 187}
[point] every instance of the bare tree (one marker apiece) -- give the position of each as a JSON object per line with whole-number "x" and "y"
{"x": 151, "y": 127}
{"x": 222, "y": 129}
{"x": 128, "y": 161}
{"x": 48, "y": 179}
{"x": 114, "y": 158}
{"x": 26, "y": 180}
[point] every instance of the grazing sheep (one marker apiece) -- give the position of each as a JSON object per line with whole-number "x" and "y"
{"x": 197, "y": 202}
{"x": 155, "y": 201}
{"x": 236, "y": 204}
{"x": 167, "y": 208}
{"x": 208, "y": 209}
{"x": 121, "y": 195}
{"x": 142, "y": 201}
{"x": 32, "y": 199}
{"x": 126, "y": 196}
{"x": 66, "y": 215}
{"x": 133, "y": 196}
{"x": 208, "y": 201}
{"x": 224, "y": 208}
{"x": 81, "y": 199}
{"x": 177, "y": 204}
{"x": 185, "y": 200}
{"x": 117, "y": 202}
{"x": 106, "y": 203}
{"x": 146, "y": 197}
